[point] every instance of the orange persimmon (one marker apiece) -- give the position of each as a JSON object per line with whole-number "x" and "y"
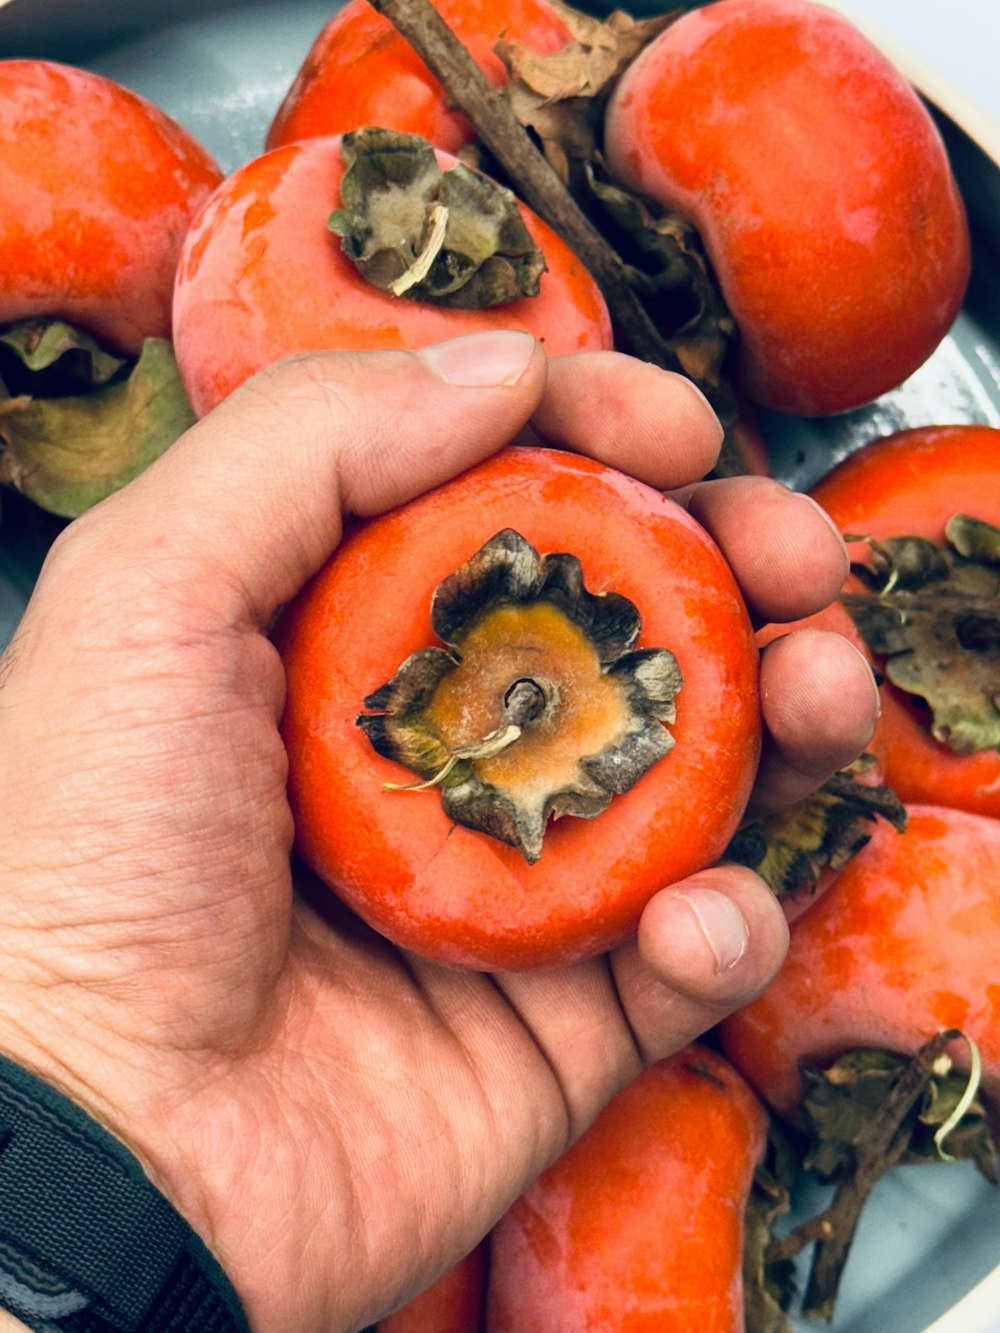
{"x": 361, "y": 71}
{"x": 911, "y": 484}
{"x": 99, "y": 188}
{"x": 455, "y": 1303}
{"x": 820, "y": 187}
{"x": 639, "y": 1225}
{"x": 489, "y": 867}
{"x": 902, "y": 945}
{"x": 262, "y": 277}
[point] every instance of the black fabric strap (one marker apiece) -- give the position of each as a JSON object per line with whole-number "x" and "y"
{"x": 87, "y": 1243}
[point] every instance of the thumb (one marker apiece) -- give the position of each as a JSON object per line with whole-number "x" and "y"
{"x": 254, "y": 494}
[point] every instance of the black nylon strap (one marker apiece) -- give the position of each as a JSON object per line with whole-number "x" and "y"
{"x": 87, "y": 1243}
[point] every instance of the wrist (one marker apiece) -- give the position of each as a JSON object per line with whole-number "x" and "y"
{"x": 87, "y": 1237}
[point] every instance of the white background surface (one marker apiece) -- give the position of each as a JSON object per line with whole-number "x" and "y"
{"x": 959, "y": 38}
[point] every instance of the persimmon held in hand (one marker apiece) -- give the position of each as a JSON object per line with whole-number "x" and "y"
{"x": 99, "y": 189}
{"x": 559, "y": 782}
{"x": 455, "y": 1303}
{"x": 820, "y": 187}
{"x": 262, "y": 276}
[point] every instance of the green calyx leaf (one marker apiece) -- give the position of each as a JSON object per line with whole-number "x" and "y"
{"x": 47, "y": 358}
{"x": 933, "y": 613}
{"x": 864, "y": 1113}
{"x": 452, "y": 238}
{"x": 68, "y": 452}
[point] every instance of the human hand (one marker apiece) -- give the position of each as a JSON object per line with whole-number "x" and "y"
{"x": 338, "y": 1120}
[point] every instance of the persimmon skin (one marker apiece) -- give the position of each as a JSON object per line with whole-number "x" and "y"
{"x": 902, "y": 945}
{"x": 99, "y": 189}
{"x": 910, "y": 484}
{"x": 261, "y": 277}
{"x": 819, "y": 184}
{"x": 639, "y": 1225}
{"x": 460, "y": 896}
{"x": 360, "y": 71}
{"x": 455, "y": 1303}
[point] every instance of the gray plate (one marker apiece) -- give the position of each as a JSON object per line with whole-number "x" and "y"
{"x": 930, "y": 1233}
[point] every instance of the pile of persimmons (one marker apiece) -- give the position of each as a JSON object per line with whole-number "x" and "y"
{"x": 747, "y": 192}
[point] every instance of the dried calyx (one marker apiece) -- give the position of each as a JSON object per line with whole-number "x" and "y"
{"x": 790, "y": 849}
{"x": 453, "y": 238}
{"x": 538, "y": 706}
{"x": 76, "y": 421}
{"x": 933, "y": 613}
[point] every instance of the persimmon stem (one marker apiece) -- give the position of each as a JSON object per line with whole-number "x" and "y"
{"x": 882, "y": 1144}
{"x": 964, "y": 1102}
{"x": 420, "y": 267}
{"x": 917, "y": 603}
{"x": 787, "y": 1247}
{"x": 523, "y": 702}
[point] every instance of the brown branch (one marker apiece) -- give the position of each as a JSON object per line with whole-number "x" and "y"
{"x": 537, "y": 183}
{"x": 923, "y": 601}
{"x": 884, "y": 1141}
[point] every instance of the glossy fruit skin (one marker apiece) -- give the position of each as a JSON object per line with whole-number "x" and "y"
{"x": 639, "y": 1225}
{"x": 99, "y": 189}
{"x": 903, "y": 944}
{"x": 819, "y": 184}
{"x": 455, "y": 1303}
{"x": 360, "y": 71}
{"x": 910, "y": 484}
{"x": 261, "y": 276}
{"x": 457, "y": 895}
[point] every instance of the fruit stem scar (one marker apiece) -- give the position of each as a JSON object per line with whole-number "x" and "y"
{"x": 524, "y": 703}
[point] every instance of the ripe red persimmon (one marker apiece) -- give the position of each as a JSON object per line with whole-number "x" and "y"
{"x": 455, "y": 1303}
{"x": 911, "y": 484}
{"x": 401, "y": 859}
{"x": 361, "y": 71}
{"x": 819, "y": 184}
{"x": 902, "y": 945}
{"x": 639, "y": 1225}
{"x": 262, "y": 277}
{"x": 99, "y": 188}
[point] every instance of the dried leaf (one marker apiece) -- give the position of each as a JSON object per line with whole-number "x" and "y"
{"x": 66, "y": 454}
{"x": 934, "y": 615}
{"x": 769, "y": 1286}
{"x": 792, "y": 848}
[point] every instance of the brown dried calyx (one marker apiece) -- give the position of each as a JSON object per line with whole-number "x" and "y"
{"x": 538, "y": 706}
{"x": 792, "y": 848}
{"x": 933, "y": 614}
{"x": 453, "y": 238}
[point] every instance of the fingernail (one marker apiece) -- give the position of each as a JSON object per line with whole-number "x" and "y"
{"x": 492, "y": 359}
{"x": 721, "y": 923}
